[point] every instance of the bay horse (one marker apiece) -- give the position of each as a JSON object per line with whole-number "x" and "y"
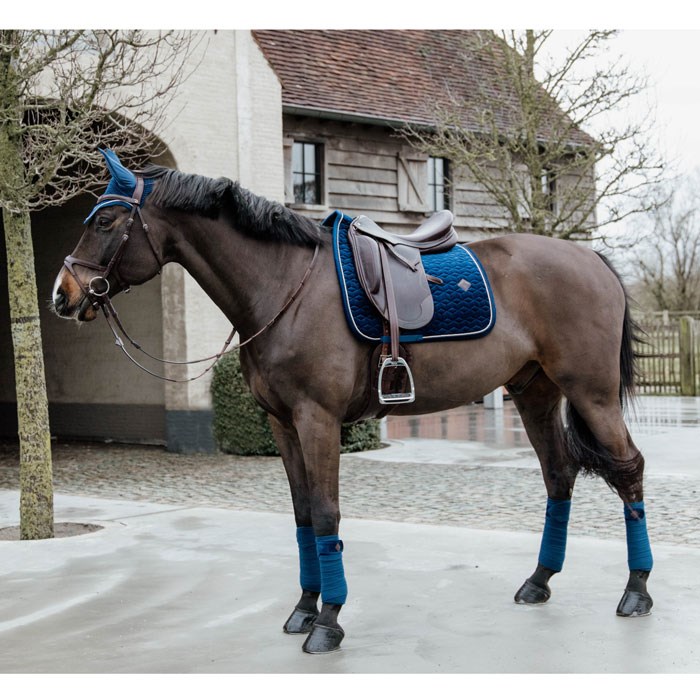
{"x": 563, "y": 338}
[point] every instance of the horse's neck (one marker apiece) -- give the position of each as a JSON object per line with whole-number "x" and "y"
{"x": 246, "y": 278}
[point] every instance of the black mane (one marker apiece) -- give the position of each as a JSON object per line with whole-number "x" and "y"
{"x": 251, "y": 214}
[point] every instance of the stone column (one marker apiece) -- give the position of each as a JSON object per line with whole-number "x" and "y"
{"x": 230, "y": 124}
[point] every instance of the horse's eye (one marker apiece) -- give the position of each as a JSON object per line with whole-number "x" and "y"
{"x": 103, "y": 222}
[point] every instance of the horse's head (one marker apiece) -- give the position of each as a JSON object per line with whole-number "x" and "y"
{"x": 116, "y": 250}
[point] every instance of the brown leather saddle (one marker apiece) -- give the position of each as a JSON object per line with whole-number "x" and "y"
{"x": 391, "y": 273}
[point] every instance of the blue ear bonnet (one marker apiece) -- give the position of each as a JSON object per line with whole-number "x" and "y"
{"x": 123, "y": 183}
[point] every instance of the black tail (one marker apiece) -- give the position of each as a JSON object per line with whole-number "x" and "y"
{"x": 586, "y": 453}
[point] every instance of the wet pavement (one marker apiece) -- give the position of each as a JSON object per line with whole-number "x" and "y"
{"x": 194, "y": 568}
{"x": 185, "y": 589}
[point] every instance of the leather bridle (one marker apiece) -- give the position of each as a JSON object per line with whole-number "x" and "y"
{"x": 98, "y": 288}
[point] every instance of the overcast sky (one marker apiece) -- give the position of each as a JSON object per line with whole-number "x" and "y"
{"x": 670, "y": 59}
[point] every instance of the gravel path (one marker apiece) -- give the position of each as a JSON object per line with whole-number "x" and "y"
{"x": 478, "y": 493}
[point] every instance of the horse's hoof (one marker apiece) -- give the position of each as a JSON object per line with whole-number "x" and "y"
{"x": 635, "y": 604}
{"x": 323, "y": 640}
{"x": 300, "y": 621}
{"x": 532, "y": 594}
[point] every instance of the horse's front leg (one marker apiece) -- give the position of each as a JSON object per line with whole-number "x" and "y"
{"x": 319, "y": 437}
{"x": 306, "y": 610}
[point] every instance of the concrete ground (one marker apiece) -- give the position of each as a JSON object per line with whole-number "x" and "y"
{"x": 167, "y": 587}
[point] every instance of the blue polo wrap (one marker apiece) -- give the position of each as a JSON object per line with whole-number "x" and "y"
{"x": 309, "y": 569}
{"x": 553, "y": 547}
{"x": 639, "y": 557}
{"x": 334, "y": 589}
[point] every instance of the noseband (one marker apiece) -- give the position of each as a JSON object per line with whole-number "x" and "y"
{"x": 98, "y": 288}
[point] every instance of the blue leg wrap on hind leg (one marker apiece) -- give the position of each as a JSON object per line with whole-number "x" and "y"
{"x": 334, "y": 589}
{"x": 553, "y": 547}
{"x": 639, "y": 556}
{"x": 309, "y": 568}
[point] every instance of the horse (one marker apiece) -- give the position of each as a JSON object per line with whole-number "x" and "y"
{"x": 562, "y": 345}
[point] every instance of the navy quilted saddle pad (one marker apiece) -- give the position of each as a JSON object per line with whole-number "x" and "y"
{"x": 464, "y": 304}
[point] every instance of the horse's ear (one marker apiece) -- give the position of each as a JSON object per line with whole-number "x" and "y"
{"x": 125, "y": 180}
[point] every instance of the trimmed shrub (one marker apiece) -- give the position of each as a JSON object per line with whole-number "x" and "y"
{"x": 241, "y": 427}
{"x": 360, "y": 436}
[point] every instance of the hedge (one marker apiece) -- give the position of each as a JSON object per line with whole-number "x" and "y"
{"x": 241, "y": 427}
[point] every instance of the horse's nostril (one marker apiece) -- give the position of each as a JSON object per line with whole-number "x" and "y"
{"x": 60, "y": 301}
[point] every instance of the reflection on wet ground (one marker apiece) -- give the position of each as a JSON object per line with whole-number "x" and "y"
{"x": 502, "y": 428}
{"x": 650, "y": 414}
{"x": 497, "y": 428}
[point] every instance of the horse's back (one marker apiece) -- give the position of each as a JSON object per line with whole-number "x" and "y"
{"x": 542, "y": 275}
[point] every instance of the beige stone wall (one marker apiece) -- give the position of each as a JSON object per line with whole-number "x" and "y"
{"x": 229, "y": 124}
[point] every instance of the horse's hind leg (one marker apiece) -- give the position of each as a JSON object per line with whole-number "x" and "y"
{"x": 539, "y": 405}
{"x": 601, "y": 443}
{"x": 306, "y": 610}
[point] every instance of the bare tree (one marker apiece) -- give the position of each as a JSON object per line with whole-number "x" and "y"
{"x": 666, "y": 261}
{"x": 63, "y": 94}
{"x": 539, "y": 137}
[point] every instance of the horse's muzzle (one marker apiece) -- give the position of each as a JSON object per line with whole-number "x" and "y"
{"x": 69, "y": 301}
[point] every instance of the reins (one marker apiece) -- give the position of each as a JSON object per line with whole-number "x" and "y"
{"x": 97, "y": 292}
{"x": 111, "y": 314}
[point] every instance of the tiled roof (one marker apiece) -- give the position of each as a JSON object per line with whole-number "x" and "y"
{"x": 393, "y": 75}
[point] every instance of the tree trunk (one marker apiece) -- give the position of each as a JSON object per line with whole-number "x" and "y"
{"x": 36, "y": 485}
{"x": 35, "y": 468}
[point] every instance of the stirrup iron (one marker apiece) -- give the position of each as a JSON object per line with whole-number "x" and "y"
{"x": 398, "y": 397}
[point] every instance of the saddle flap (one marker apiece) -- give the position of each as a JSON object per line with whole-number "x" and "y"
{"x": 414, "y": 300}
{"x": 369, "y": 264}
{"x": 402, "y": 269}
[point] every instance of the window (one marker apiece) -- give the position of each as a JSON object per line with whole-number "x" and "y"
{"x": 306, "y": 172}
{"x": 437, "y": 184}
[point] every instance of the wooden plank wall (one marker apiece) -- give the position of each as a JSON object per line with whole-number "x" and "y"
{"x": 362, "y": 177}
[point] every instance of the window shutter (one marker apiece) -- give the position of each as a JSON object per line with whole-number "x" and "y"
{"x": 412, "y": 179}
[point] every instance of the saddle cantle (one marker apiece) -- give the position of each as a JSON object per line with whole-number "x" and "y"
{"x": 391, "y": 272}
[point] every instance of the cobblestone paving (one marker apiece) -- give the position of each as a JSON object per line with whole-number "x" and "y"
{"x": 477, "y": 496}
